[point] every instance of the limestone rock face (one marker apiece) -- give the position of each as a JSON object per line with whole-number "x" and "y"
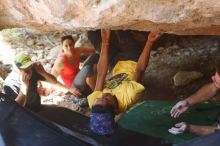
{"x": 173, "y": 16}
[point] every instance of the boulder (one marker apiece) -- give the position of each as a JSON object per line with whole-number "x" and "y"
{"x": 182, "y": 78}
{"x": 53, "y": 53}
{"x": 83, "y": 41}
{"x": 195, "y": 17}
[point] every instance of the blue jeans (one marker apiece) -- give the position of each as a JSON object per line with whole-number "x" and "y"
{"x": 86, "y": 71}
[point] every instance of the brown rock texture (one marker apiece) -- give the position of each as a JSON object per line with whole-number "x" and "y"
{"x": 185, "y": 17}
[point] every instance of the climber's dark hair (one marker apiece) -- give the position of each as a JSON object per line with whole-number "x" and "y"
{"x": 67, "y": 37}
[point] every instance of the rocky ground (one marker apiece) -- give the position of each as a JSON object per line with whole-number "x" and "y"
{"x": 178, "y": 66}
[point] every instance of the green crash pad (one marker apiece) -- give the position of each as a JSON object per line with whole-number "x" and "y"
{"x": 152, "y": 117}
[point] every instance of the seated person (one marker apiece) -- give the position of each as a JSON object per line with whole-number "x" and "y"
{"x": 203, "y": 94}
{"x": 12, "y": 85}
{"x": 67, "y": 68}
{"x": 23, "y": 84}
{"x": 121, "y": 91}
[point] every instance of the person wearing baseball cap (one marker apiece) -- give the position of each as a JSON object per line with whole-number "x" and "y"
{"x": 121, "y": 91}
{"x": 29, "y": 73}
{"x": 23, "y": 61}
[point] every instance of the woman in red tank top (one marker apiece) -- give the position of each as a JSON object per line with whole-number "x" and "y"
{"x": 67, "y": 64}
{"x": 71, "y": 66}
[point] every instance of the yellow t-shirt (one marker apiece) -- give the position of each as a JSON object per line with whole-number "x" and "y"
{"x": 126, "y": 91}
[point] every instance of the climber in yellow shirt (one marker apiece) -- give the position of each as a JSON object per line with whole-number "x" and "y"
{"x": 121, "y": 91}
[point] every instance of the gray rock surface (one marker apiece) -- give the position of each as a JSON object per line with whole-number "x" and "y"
{"x": 182, "y": 78}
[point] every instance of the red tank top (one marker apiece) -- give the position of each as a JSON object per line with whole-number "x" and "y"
{"x": 70, "y": 70}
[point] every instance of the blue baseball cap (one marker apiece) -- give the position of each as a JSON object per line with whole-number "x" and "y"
{"x": 102, "y": 120}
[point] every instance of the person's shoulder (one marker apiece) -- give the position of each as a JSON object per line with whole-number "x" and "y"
{"x": 60, "y": 60}
{"x": 12, "y": 76}
{"x": 59, "y": 64}
{"x": 93, "y": 96}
